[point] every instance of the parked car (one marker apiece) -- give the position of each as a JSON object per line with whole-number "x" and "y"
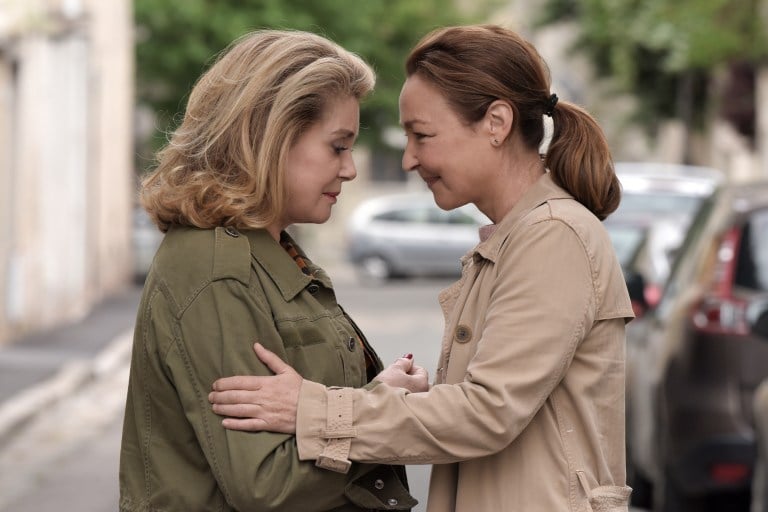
{"x": 758, "y": 319}
{"x": 405, "y": 235}
{"x": 693, "y": 363}
{"x": 658, "y": 202}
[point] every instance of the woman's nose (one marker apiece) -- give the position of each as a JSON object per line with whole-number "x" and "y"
{"x": 410, "y": 162}
{"x": 348, "y": 171}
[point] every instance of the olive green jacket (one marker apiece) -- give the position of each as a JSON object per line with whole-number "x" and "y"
{"x": 209, "y": 296}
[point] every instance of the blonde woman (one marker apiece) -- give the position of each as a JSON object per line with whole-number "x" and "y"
{"x": 265, "y": 143}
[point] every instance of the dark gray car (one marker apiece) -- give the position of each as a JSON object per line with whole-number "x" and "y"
{"x": 694, "y": 363}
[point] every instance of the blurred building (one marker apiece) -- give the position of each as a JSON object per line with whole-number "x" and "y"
{"x": 741, "y": 153}
{"x": 66, "y": 110}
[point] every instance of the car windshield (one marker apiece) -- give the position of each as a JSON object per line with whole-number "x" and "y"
{"x": 625, "y": 240}
{"x": 658, "y": 203}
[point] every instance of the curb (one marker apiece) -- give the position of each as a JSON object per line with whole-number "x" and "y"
{"x": 70, "y": 377}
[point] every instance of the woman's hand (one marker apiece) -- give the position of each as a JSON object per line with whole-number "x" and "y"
{"x": 259, "y": 403}
{"x": 404, "y": 374}
{"x": 255, "y": 404}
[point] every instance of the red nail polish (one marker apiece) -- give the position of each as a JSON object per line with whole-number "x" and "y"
{"x": 408, "y": 356}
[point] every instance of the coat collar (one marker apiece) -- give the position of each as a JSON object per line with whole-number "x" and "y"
{"x": 280, "y": 267}
{"x": 542, "y": 191}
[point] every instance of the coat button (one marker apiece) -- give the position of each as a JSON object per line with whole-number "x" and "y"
{"x": 231, "y": 232}
{"x": 379, "y": 484}
{"x": 391, "y": 502}
{"x": 313, "y": 288}
{"x": 463, "y": 334}
{"x": 351, "y": 344}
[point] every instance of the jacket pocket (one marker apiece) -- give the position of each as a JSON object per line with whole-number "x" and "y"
{"x": 610, "y": 498}
{"x": 606, "y": 498}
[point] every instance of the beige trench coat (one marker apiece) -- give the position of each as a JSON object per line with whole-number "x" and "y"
{"x": 527, "y": 410}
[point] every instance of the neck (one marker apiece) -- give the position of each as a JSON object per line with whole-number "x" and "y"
{"x": 514, "y": 180}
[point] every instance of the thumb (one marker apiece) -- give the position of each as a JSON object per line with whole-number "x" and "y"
{"x": 272, "y": 360}
{"x": 403, "y": 363}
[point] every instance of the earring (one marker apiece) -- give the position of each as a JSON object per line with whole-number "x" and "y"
{"x": 495, "y": 142}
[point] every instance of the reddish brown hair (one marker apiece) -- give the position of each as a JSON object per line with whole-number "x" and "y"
{"x": 475, "y": 65}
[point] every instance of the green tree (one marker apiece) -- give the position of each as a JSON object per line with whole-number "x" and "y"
{"x": 177, "y": 40}
{"x": 667, "y": 52}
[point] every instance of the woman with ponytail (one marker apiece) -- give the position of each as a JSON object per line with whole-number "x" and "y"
{"x": 526, "y": 412}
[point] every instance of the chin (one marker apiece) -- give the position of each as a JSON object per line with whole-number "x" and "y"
{"x": 445, "y": 203}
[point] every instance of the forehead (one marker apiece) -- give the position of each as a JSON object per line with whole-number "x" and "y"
{"x": 340, "y": 112}
{"x": 420, "y": 101}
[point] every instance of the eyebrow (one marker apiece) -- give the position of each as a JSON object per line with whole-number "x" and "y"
{"x": 409, "y": 124}
{"x": 344, "y": 132}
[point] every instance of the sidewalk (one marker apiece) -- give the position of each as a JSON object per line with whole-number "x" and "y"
{"x": 39, "y": 369}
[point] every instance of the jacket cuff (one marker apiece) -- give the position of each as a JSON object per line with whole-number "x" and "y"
{"x": 324, "y": 429}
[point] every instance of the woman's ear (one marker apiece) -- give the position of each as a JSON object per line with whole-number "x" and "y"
{"x": 498, "y": 119}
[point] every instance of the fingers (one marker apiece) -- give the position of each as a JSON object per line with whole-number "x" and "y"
{"x": 232, "y": 397}
{"x": 404, "y": 363}
{"x": 244, "y": 424}
{"x": 257, "y": 425}
{"x": 272, "y": 360}
{"x": 246, "y": 382}
{"x": 238, "y": 410}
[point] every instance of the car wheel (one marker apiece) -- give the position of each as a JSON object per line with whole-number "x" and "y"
{"x": 375, "y": 268}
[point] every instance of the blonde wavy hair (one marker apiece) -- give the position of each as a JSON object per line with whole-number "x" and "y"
{"x": 224, "y": 165}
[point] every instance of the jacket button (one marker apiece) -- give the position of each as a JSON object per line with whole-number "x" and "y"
{"x": 313, "y": 288}
{"x": 351, "y": 344}
{"x": 463, "y": 334}
{"x": 391, "y": 502}
{"x": 231, "y": 232}
{"x": 379, "y": 484}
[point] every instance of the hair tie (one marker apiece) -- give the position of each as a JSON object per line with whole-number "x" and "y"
{"x": 551, "y": 105}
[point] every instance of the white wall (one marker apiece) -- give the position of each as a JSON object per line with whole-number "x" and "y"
{"x": 65, "y": 165}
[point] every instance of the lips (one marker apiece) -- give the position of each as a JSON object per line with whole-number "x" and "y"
{"x": 430, "y": 180}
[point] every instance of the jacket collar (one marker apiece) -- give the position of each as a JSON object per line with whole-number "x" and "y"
{"x": 280, "y": 267}
{"x": 542, "y": 191}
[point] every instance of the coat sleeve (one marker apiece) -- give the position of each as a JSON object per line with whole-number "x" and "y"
{"x": 528, "y": 340}
{"x": 255, "y": 471}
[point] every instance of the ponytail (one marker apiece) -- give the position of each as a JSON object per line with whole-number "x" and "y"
{"x": 579, "y": 160}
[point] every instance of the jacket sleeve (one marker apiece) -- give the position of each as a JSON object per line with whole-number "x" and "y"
{"x": 528, "y": 340}
{"x": 213, "y": 336}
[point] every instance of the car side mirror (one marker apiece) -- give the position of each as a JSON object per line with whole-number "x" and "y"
{"x": 636, "y": 288}
{"x": 757, "y": 316}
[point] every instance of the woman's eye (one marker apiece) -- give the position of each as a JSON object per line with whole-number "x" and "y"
{"x": 340, "y": 149}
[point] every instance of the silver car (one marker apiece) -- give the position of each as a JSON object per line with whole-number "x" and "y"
{"x": 407, "y": 235}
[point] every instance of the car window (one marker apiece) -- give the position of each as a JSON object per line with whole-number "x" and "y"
{"x": 455, "y": 217}
{"x": 677, "y": 280}
{"x": 752, "y": 265}
{"x": 626, "y": 241}
{"x": 405, "y": 215}
{"x": 432, "y": 215}
{"x": 633, "y": 203}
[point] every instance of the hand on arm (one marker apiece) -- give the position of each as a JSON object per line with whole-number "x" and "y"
{"x": 270, "y": 403}
{"x": 259, "y": 403}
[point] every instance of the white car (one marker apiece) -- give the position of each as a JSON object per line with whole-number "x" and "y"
{"x": 407, "y": 235}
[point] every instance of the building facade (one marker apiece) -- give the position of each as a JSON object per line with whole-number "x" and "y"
{"x": 66, "y": 175}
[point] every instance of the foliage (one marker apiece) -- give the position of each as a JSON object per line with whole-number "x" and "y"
{"x": 666, "y": 51}
{"x": 177, "y": 39}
